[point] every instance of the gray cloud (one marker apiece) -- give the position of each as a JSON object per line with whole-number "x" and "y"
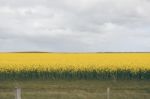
{"x": 74, "y": 25}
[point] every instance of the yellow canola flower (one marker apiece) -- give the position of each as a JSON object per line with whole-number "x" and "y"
{"x": 75, "y": 62}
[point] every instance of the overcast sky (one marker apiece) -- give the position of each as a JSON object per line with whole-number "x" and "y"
{"x": 74, "y": 25}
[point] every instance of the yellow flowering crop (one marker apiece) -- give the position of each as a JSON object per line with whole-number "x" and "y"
{"x": 74, "y": 62}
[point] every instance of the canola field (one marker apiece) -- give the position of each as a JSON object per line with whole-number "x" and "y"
{"x": 100, "y": 66}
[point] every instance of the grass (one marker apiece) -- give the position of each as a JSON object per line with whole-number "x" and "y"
{"x": 76, "y": 89}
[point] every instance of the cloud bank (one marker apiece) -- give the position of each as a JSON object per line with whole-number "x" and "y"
{"x": 74, "y": 25}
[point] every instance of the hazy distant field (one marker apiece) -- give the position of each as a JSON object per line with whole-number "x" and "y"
{"x": 75, "y": 66}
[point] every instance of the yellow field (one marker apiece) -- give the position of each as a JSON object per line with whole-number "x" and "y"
{"x": 16, "y": 62}
{"x": 76, "y": 61}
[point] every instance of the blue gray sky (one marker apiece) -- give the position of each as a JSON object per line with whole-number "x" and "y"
{"x": 74, "y": 25}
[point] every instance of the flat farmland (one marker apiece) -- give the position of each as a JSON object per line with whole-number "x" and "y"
{"x": 98, "y": 66}
{"x": 76, "y": 89}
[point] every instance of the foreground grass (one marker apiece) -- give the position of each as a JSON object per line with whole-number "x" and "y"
{"x": 76, "y": 89}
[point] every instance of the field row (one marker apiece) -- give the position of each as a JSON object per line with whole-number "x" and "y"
{"x": 75, "y": 66}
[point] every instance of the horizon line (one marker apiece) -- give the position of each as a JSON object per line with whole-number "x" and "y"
{"x": 77, "y": 52}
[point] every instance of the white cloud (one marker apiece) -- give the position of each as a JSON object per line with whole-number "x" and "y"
{"x": 74, "y": 25}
